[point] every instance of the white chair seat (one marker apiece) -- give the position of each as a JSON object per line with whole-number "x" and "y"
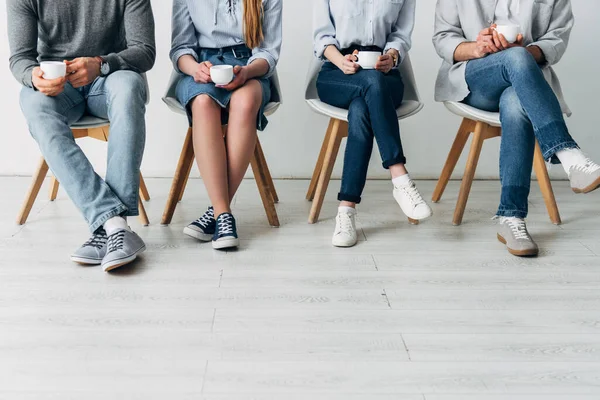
{"x": 406, "y": 109}
{"x": 475, "y": 114}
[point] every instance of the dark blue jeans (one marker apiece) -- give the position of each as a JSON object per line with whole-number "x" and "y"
{"x": 513, "y": 83}
{"x": 371, "y": 99}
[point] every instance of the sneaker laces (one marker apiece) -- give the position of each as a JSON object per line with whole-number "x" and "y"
{"x": 225, "y": 224}
{"x": 345, "y": 223}
{"x": 587, "y": 168}
{"x": 517, "y": 226}
{"x": 413, "y": 194}
{"x": 115, "y": 241}
{"x": 98, "y": 240}
{"x": 206, "y": 219}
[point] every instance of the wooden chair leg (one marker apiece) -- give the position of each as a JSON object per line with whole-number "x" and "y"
{"x": 312, "y": 188}
{"x": 338, "y": 132}
{"x": 54, "y": 185}
{"x": 455, "y": 152}
{"x": 34, "y": 190}
{"x": 465, "y": 188}
{"x": 265, "y": 167}
{"x": 543, "y": 178}
{"x": 264, "y": 189}
{"x": 143, "y": 189}
{"x": 143, "y": 216}
{"x": 186, "y": 177}
{"x": 185, "y": 160}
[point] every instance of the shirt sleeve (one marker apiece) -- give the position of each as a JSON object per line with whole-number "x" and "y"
{"x": 22, "y": 38}
{"x": 554, "y": 43}
{"x": 448, "y": 33}
{"x": 271, "y": 46}
{"x": 401, "y": 36}
{"x": 323, "y": 27}
{"x": 183, "y": 38}
{"x": 140, "y": 54}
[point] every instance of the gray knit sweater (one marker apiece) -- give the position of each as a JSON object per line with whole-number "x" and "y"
{"x": 121, "y": 31}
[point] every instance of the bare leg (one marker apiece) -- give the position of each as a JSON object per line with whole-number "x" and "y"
{"x": 209, "y": 148}
{"x": 241, "y": 132}
{"x": 398, "y": 170}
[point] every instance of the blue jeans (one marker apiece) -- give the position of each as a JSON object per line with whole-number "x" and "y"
{"x": 371, "y": 99}
{"x": 120, "y": 98}
{"x": 513, "y": 83}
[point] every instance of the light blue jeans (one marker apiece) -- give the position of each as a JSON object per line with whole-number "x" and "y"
{"x": 513, "y": 83}
{"x": 120, "y": 98}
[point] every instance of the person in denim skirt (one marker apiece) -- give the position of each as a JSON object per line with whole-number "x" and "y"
{"x": 245, "y": 34}
{"x": 342, "y": 28}
{"x": 483, "y": 69}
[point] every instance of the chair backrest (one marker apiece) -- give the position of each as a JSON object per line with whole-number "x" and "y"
{"x": 170, "y": 97}
{"x": 411, "y": 91}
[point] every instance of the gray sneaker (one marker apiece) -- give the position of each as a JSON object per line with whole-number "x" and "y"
{"x": 513, "y": 233}
{"x": 93, "y": 251}
{"x": 585, "y": 178}
{"x": 123, "y": 247}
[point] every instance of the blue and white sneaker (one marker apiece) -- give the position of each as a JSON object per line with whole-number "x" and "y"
{"x": 204, "y": 227}
{"x": 225, "y": 236}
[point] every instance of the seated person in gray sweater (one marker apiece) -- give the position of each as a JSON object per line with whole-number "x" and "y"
{"x": 106, "y": 46}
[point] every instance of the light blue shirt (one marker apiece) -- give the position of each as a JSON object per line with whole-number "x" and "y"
{"x": 199, "y": 24}
{"x": 508, "y": 12}
{"x": 383, "y": 23}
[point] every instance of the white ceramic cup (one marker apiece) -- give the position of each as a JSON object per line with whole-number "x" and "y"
{"x": 368, "y": 59}
{"x": 221, "y": 74}
{"x": 510, "y": 32}
{"x": 53, "y": 69}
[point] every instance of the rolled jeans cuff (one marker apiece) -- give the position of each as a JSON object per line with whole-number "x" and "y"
{"x": 349, "y": 198}
{"x": 511, "y": 213}
{"x": 119, "y": 210}
{"x": 398, "y": 160}
{"x": 550, "y": 154}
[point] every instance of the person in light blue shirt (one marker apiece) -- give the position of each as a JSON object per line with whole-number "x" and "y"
{"x": 342, "y": 28}
{"x": 245, "y": 34}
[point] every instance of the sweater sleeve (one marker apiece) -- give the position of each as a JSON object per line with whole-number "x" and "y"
{"x": 22, "y": 38}
{"x": 140, "y": 54}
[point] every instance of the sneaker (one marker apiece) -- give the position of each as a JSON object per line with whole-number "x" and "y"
{"x": 585, "y": 178}
{"x": 513, "y": 233}
{"x": 225, "y": 236}
{"x": 123, "y": 247}
{"x": 93, "y": 251}
{"x": 345, "y": 229}
{"x": 204, "y": 227}
{"x": 411, "y": 202}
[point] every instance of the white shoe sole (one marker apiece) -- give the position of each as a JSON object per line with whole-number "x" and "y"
{"x": 203, "y": 237}
{"x": 225, "y": 243}
{"x": 343, "y": 244}
{"x": 122, "y": 261}
{"x": 85, "y": 261}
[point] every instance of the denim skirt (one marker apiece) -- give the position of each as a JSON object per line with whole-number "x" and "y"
{"x": 187, "y": 89}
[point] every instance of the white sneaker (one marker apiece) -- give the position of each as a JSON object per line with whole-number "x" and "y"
{"x": 411, "y": 202}
{"x": 345, "y": 229}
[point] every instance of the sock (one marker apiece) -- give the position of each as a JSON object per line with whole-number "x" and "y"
{"x": 400, "y": 181}
{"x": 571, "y": 157}
{"x": 115, "y": 224}
{"x": 348, "y": 210}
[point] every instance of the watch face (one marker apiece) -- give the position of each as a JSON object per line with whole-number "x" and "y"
{"x": 104, "y": 68}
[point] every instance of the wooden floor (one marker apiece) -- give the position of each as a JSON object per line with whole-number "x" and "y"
{"x": 429, "y": 312}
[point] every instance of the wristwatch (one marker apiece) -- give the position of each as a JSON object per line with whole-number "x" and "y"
{"x": 104, "y": 67}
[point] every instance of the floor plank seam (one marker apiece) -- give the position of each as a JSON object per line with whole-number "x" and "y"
{"x": 407, "y": 351}
{"x": 387, "y": 299}
{"x": 212, "y": 324}
{"x": 588, "y": 247}
{"x": 204, "y": 377}
{"x": 221, "y": 277}
{"x": 374, "y": 262}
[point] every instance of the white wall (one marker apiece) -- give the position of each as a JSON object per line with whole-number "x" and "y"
{"x": 294, "y": 136}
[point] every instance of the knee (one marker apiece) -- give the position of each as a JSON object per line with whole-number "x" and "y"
{"x": 374, "y": 80}
{"x": 246, "y": 101}
{"x": 204, "y": 104}
{"x": 127, "y": 89}
{"x": 511, "y": 107}
{"x": 519, "y": 59}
